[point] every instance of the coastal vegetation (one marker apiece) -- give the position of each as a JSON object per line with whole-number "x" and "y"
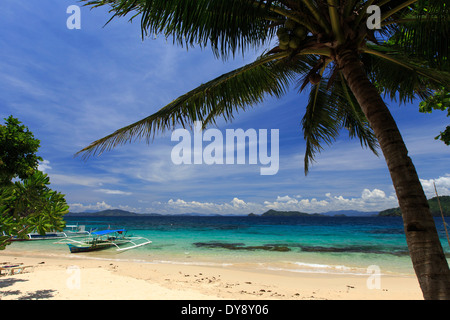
{"x": 347, "y": 64}
{"x": 435, "y": 208}
{"x": 27, "y": 204}
{"x": 440, "y": 100}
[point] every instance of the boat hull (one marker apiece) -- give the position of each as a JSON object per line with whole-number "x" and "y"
{"x": 88, "y": 248}
{"x": 37, "y": 236}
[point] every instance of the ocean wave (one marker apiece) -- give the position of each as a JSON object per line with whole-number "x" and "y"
{"x": 397, "y": 251}
{"x": 241, "y": 246}
{"x": 304, "y": 267}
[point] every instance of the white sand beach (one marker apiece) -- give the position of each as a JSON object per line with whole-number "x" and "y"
{"x": 59, "y": 278}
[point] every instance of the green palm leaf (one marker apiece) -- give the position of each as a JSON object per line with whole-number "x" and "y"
{"x": 400, "y": 75}
{"x": 330, "y": 108}
{"x": 226, "y": 26}
{"x": 238, "y": 89}
{"x": 407, "y": 58}
{"x": 424, "y": 31}
{"x": 319, "y": 123}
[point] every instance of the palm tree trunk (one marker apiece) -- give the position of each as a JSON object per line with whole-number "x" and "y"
{"x": 429, "y": 262}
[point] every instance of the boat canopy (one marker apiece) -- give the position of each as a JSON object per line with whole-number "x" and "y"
{"x": 102, "y": 232}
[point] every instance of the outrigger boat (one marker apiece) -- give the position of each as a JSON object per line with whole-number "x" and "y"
{"x": 70, "y": 231}
{"x": 104, "y": 239}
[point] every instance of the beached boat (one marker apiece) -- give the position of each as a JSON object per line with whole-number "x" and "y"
{"x": 104, "y": 239}
{"x": 75, "y": 230}
{"x": 69, "y": 231}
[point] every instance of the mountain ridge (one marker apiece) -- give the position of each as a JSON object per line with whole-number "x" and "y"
{"x": 434, "y": 207}
{"x": 269, "y": 213}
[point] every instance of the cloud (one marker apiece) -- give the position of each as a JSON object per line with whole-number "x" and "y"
{"x": 370, "y": 200}
{"x": 375, "y": 194}
{"x": 285, "y": 198}
{"x": 78, "y": 207}
{"x": 288, "y": 203}
{"x": 238, "y": 203}
{"x": 442, "y": 186}
{"x": 235, "y": 206}
{"x": 80, "y": 180}
{"x": 44, "y": 166}
{"x": 118, "y": 192}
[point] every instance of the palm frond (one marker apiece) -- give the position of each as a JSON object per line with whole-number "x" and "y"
{"x": 332, "y": 107}
{"x": 223, "y": 96}
{"x": 319, "y": 123}
{"x": 423, "y": 30}
{"x": 226, "y": 26}
{"x": 353, "y": 117}
{"x": 401, "y": 76}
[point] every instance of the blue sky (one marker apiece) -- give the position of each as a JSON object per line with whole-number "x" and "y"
{"x": 71, "y": 87}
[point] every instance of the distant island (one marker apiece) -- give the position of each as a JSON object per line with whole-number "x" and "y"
{"x": 124, "y": 213}
{"x": 269, "y": 213}
{"x": 275, "y": 213}
{"x": 393, "y": 212}
{"x": 110, "y": 213}
{"x": 434, "y": 207}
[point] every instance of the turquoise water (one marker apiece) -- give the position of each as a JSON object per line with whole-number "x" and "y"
{"x": 294, "y": 244}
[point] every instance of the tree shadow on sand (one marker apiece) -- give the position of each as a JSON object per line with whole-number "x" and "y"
{"x": 36, "y": 295}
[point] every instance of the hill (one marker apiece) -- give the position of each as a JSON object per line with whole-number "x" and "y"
{"x": 340, "y": 213}
{"x": 434, "y": 207}
{"x": 350, "y": 213}
{"x": 110, "y": 213}
{"x": 274, "y": 213}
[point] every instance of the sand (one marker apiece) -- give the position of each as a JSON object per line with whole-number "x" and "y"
{"x": 59, "y": 278}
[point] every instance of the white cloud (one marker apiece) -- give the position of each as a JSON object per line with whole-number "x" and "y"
{"x": 62, "y": 179}
{"x": 238, "y": 203}
{"x": 442, "y": 186}
{"x": 375, "y": 194}
{"x": 287, "y": 203}
{"x": 119, "y": 192}
{"x": 285, "y": 198}
{"x": 370, "y": 200}
{"x": 78, "y": 207}
{"x": 44, "y": 166}
{"x": 235, "y": 206}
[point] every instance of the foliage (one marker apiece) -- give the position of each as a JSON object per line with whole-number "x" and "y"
{"x": 18, "y": 151}
{"x": 406, "y": 59}
{"x": 30, "y": 206}
{"x": 434, "y": 208}
{"x": 440, "y": 100}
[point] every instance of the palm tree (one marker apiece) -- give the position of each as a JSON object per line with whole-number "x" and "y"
{"x": 328, "y": 46}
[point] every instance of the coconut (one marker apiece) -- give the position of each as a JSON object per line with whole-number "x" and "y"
{"x": 281, "y": 31}
{"x": 294, "y": 43}
{"x": 283, "y": 46}
{"x": 315, "y": 78}
{"x": 300, "y": 32}
{"x": 290, "y": 24}
{"x": 284, "y": 39}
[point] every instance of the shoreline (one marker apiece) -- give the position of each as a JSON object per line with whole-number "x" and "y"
{"x": 84, "y": 278}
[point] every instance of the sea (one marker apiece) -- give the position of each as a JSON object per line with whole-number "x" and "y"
{"x": 316, "y": 244}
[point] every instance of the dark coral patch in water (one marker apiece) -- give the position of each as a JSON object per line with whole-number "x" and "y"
{"x": 241, "y": 246}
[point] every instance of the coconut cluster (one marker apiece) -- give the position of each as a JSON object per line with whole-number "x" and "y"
{"x": 291, "y": 35}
